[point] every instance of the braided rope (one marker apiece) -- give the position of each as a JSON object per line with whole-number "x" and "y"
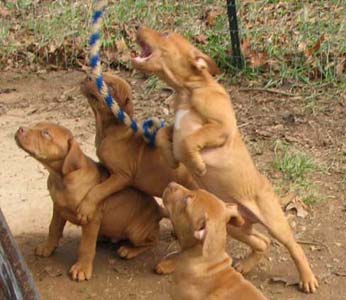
{"x": 149, "y": 127}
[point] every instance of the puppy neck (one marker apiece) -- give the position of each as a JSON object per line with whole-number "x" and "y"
{"x": 108, "y": 122}
{"x": 194, "y": 263}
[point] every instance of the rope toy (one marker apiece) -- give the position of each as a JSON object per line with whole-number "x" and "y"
{"x": 149, "y": 127}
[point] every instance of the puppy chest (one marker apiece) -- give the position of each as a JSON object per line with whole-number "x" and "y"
{"x": 186, "y": 123}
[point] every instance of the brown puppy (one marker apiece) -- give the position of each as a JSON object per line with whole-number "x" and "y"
{"x": 128, "y": 214}
{"x": 204, "y": 269}
{"x": 130, "y": 160}
{"x": 206, "y": 139}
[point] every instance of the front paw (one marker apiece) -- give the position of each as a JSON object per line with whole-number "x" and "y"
{"x": 165, "y": 267}
{"x": 85, "y": 211}
{"x": 308, "y": 284}
{"x": 200, "y": 169}
{"x": 44, "y": 250}
{"x": 197, "y": 167}
{"x": 81, "y": 271}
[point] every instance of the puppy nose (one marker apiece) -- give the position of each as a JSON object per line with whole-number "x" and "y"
{"x": 21, "y": 130}
{"x": 137, "y": 26}
{"x": 173, "y": 186}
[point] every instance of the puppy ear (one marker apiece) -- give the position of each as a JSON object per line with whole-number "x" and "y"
{"x": 213, "y": 236}
{"x": 202, "y": 61}
{"x": 73, "y": 159}
{"x": 233, "y": 216}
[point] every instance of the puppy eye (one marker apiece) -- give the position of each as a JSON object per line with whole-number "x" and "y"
{"x": 46, "y": 134}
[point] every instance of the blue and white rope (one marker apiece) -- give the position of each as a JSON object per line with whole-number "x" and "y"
{"x": 149, "y": 127}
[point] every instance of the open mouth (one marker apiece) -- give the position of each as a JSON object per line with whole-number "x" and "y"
{"x": 146, "y": 51}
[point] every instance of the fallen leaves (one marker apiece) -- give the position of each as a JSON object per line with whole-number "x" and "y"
{"x": 201, "y": 39}
{"x": 211, "y": 15}
{"x": 293, "y": 204}
{"x": 286, "y": 280}
{"x": 254, "y": 59}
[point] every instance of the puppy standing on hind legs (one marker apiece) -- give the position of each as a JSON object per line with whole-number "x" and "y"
{"x": 206, "y": 139}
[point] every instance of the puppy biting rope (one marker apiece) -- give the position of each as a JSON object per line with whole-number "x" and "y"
{"x": 150, "y": 126}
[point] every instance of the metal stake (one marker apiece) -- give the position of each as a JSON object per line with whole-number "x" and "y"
{"x": 237, "y": 59}
{"x": 16, "y": 282}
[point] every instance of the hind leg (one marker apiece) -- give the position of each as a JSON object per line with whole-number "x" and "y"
{"x": 141, "y": 242}
{"x": 275, "y": 221}
{"x": 258, "y": 242}
{"x": 129, "y": 252}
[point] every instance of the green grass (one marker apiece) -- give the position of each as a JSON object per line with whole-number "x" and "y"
{"x": 273, "y": 26}
{"x": 296, "y": 168}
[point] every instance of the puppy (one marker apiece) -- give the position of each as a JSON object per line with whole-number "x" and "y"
{"x": 204, "y": 269}
{"x": 129, "y": 214}
{"x": 130, "y": 160}
{"x": 206, "y": 139}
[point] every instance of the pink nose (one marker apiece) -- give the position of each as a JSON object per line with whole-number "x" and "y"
{"x": 21, "y": 130}
{"x": 173, "y": 186}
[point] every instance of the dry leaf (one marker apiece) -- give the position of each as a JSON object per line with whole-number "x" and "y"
{"x": 211, "y": 15}
{"x": 121, "y": 45}
{"x": 297, "y": 205}
{"x": 201, "y": 39}
{"x": 53, "y": 272}
{"x": 287, "y": 281}
{"x": 309, "y": 52}
{"x": 4, "y": 12}
{"x": 254, "y": 59}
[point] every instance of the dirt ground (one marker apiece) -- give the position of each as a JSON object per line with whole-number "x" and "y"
{"x": 29, "y": 98}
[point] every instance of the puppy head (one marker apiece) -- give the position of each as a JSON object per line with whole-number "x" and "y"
{"x": 52, "y": 145}
{"x": 120, "y": 90}
{"x": 199, "y": 217}
{"x": 171, "y": 57}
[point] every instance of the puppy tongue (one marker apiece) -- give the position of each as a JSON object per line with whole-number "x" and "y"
{"x": 146, "y": 51}
{"x": 200, "y": 234}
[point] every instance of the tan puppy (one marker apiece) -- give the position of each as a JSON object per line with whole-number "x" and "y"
{"x": 206, "y": 139}
{"x": 128, "y": 214}
{"x": 130, "y": 160}
{"x": 204, "y": 268}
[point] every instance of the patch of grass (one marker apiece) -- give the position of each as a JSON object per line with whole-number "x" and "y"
{"x": 274, "y": 27}
{"x": 296, "y": 166}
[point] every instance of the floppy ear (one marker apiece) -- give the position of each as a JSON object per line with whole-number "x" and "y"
{"x": 213, "y": 236}
{"x": 202, "y": 61}
{"x": 122, "y": 93}
{"x": 233, "y": 216}
{"x": 73, "y": 159}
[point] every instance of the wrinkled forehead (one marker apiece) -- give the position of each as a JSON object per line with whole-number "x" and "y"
{"x": 53, "y": 128}
{"x": 205, "y": 203}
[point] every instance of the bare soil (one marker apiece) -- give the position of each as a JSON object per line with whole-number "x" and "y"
{"x": 28, "y": 98}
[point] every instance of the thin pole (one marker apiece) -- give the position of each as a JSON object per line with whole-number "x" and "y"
{"x": 237, "y": 59}
{"x": 16, "y": 282}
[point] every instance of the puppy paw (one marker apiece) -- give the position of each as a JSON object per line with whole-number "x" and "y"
{"x": 165, "y": 267}
{"x": 200, "y": 170}
{"x": 129, "y": 252}
{"x": 81, "y": 271}
{"x": 85, "y": 211}
{"x": 308, "y": 284}
{"x": 44, "y": 250}
{"x": 244, "y": 266}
